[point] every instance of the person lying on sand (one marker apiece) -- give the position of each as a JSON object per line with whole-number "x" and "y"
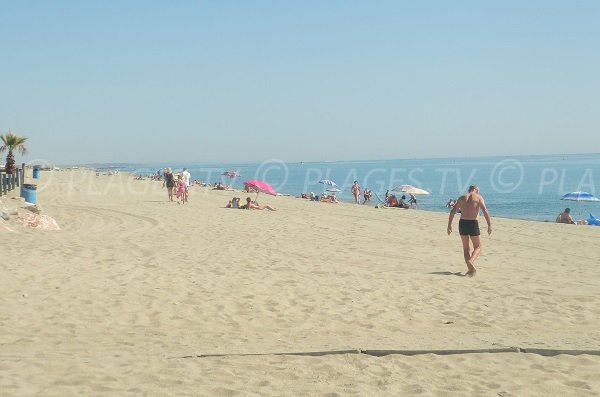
{"x": 220, "y": 186}
{"x": 250, "y": 205}
{"x": 310, "y": 196}
{"x": 330, "y": 198}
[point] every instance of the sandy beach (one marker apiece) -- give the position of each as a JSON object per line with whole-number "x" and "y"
{"x": 139, "y": 296}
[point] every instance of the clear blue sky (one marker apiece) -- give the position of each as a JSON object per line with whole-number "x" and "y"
{"x": 145, "y": 81}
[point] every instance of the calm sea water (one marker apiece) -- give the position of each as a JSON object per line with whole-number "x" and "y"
{"x": 522, "y": 187}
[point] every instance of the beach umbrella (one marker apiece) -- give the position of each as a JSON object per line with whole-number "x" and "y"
{"x": 409, "y": 189}
{"x": 327, "y": 182}
{"x": 579, "y": 196}
{"x": 260, "y": 186}
{"x": 334, "y": 190}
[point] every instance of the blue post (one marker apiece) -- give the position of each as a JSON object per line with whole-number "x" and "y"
{"x": 36, "y": 173}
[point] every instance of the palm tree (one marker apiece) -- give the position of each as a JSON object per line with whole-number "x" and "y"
{"x": 12, "y": 142}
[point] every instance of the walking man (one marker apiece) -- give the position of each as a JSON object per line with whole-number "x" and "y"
{"x": 187, "y": 179}
{"x": 468, "y": 226}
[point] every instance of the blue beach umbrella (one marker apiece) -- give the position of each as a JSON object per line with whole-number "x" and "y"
{"x": 580, "y": 196}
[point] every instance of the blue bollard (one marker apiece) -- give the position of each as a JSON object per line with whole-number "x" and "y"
{"x": 36, "y": 173}
{"x": 29, "y": 193}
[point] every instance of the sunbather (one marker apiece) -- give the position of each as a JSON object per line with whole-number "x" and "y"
{"x": 250, "y": 205}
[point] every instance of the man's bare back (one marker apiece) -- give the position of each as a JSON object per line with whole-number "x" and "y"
{"x": 469, "y": 205}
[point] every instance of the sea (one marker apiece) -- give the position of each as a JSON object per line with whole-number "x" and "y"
{"x": 519, "y": 187}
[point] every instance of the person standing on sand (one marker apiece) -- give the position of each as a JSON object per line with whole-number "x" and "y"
{"x": 181, "y": 190}
{"x": 187, "y": 177}
{"x": 412, "y": 200}
{"x": 468, "y": 226}
{"x": 356, "y": 192}
{"x": 169, "y": 182}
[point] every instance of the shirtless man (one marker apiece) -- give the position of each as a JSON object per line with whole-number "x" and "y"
{"x": 468, "y": 226}
{"x": 565, "y": 217}
{"x": 187, "y": 177}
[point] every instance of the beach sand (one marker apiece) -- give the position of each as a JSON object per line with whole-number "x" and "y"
{"x": 139, "y": 296}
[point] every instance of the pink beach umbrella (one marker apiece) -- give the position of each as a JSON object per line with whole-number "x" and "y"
{"x": 260, "y": 186}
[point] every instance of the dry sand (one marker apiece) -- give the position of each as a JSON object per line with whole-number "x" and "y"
{"x": 127, "y": 296}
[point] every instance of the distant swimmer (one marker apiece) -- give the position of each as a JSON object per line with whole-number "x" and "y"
{"x": 468, "y": 226}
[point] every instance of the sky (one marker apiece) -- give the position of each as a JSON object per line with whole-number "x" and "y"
{"x": 247, "y": 81}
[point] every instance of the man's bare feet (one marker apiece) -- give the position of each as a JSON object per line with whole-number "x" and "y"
{"x": 472, "y": 271}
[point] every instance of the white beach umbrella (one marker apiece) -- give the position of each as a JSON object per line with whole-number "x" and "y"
{"x": 409, "y": 189}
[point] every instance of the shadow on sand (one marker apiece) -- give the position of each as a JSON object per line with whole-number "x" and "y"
{"x": 459, "y": 274}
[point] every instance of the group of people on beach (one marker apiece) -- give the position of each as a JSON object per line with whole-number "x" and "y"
{"x": 356, "y": 193}
{"x": 392, "y": 201}
{"x": 324, "y": 198}
{"x": 180, "y": 185}
{"x": 468, "y": 205}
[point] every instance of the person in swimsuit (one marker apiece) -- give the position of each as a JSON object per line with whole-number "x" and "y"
{"x": 250, "y": 205}
{"x": 356, "y": 192}
{"x": 412, "y": 200}
{"x": 565, "y": 217}
{"x": 468, "y": 227}
{"x": 181, "y": 190}
{"x": 402, "y": 203}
